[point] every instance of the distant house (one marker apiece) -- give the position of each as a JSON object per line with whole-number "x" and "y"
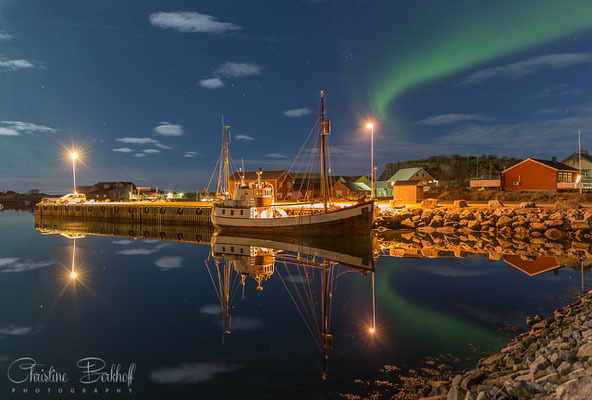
{"x": 493, "y": 183}
{"x": 409, "y": 191}
{"x": 536, "y": 174}
{"x": 280, "y": 179}
{"x": 112, "y": 191}
{"x": 350, "y": 190}
{"x": 384, "y": 189}
{"x": 574, "y": 162}
{"x": 414, "y": 174}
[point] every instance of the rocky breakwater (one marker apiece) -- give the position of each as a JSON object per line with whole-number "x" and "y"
{"x": 564, "y": 220}
{"x": 553, "y": 360}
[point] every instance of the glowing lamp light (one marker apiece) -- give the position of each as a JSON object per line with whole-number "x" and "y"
{"x": 73, "y": 275}
{"x": 369, "y": 125}
{"x": 371, "y": 330}
{"x": 74, "y": 156}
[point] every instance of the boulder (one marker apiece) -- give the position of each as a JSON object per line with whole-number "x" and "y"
{"x": 503, "y": 221}
{"x": 396, "y": 204}
{"x": 553, "y": 223}
{"x": 554, "y": 234}
{"x": 585, "y": 351}
{"x": 460, "y": 204}
{"x": 580, "y": 225}
{"x": 474, "y": 225}
{"x": 567, "y": 205}
{"x": 528, "y": 204}
{"x": 407, "y": 224}
{"x": 537, "y": 226}
{"x": 495, "y": 204}
{"x": 429, "y": 203}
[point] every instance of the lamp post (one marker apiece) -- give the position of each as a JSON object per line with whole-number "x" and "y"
{"x": 370, "y": 126}
{"x": 74, "y": 157}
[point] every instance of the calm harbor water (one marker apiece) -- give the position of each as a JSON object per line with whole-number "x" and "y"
{"x": 159, "y": 306}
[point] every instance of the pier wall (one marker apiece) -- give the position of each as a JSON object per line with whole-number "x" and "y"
{"x": 174, "y": 213}
{"x": 189, "y": 233}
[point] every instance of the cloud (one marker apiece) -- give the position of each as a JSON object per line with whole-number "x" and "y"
{"x": 8, "y": 132}
{"x": 122, "y": 150}
{"x": 12, "y": 264}
{"x": 240, "y": 323}
{"x": 229, "y": 70}
{"x": 142, "y": 250}
{"x": 162, "y": 146}
{"x": 237, "y": 70}
{"x": 210, "y": 309}
{"x": 445, "y": 119}
{"x": 191, "y": 154}
{"x": 191, "y": 372}
{"x": 212, "y": 83}
{"x": 276, "y": 155}
{"x": 134, "y": 140}
{"x": 244, "y": 137}
{"x": 7, "y": 65}
{"x": 191, "y": 22}
{"x": 6, "y": 36}
{"x": 169, "y": 262}
{"x": 523, "y": 68}
{"x": 151, "y": 151}
{"x": 139, "y": 155}
{"x": 123, "y": 241}
{"x": 297, "y": 112}
{"x": 16, "y": 128}
{"x": 166, "y": 129}
{"x": 13, "y": 330}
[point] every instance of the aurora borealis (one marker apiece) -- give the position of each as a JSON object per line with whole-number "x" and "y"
{"x": 447, "y": 43}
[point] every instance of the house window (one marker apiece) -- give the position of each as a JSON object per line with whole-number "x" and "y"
{"x": 289, "y": 185}
{"x": 231, "y": 212}
{"x": 417, "y": 174}
{"x": 569, "y": 177}
{"x": 423, "y": 174}
{"x": 223, "y": 211}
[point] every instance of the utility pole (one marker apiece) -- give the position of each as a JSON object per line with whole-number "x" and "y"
{"x": 580, "y": 158}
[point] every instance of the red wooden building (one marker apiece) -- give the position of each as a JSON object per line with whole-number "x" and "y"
{"x": 536, "y": 175}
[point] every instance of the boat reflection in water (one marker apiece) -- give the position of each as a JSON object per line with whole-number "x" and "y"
{"x": 308, "y": 268}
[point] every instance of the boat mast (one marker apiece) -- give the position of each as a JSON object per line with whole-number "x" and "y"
{"x": 327, "y": 338}
{"x": 325, "y": 130}
{"x": 226, "y": 163}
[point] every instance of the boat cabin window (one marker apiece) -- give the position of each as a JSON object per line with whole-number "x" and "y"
{"x": 231, "y": 212}
{"x": 241, "y": 212}
{"x": 223, "y": 211}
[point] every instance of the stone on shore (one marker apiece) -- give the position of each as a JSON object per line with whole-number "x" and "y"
{"x": 460, "y": 204}
{"x": 494, "y": 204}
{"x": 429, "y": 203}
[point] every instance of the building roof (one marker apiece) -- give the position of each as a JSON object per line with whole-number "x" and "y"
{"x": 551, "y": 164}
{"x": 404, "y": 174}
{"x": 252, "y": 175}
{"x": 574, "y": 156}
{"x": 532, "y": 267}
{"x": 407, "y": 183}
{"x": 356, "y": 186}
{"x": 555, "y": 165}
{"x": 352, "y": 178}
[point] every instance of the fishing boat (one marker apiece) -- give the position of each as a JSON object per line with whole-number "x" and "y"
{"x": 251, "y": 207}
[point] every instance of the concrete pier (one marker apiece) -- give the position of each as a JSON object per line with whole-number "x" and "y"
{"x": 152, "y": 213}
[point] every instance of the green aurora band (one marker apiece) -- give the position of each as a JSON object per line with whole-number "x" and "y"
{"x": 462, "y": 38}
{"x": 437, "y": 332}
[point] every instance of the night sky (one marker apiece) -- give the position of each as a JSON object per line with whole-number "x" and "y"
{"x": 140, "y": 87}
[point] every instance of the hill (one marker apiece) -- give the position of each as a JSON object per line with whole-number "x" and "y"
{"x": 455, "y": 170}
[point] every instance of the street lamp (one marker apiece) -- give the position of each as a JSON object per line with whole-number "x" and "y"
{"x": 74, "y": 157}
{"x": 370, "y": 126}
